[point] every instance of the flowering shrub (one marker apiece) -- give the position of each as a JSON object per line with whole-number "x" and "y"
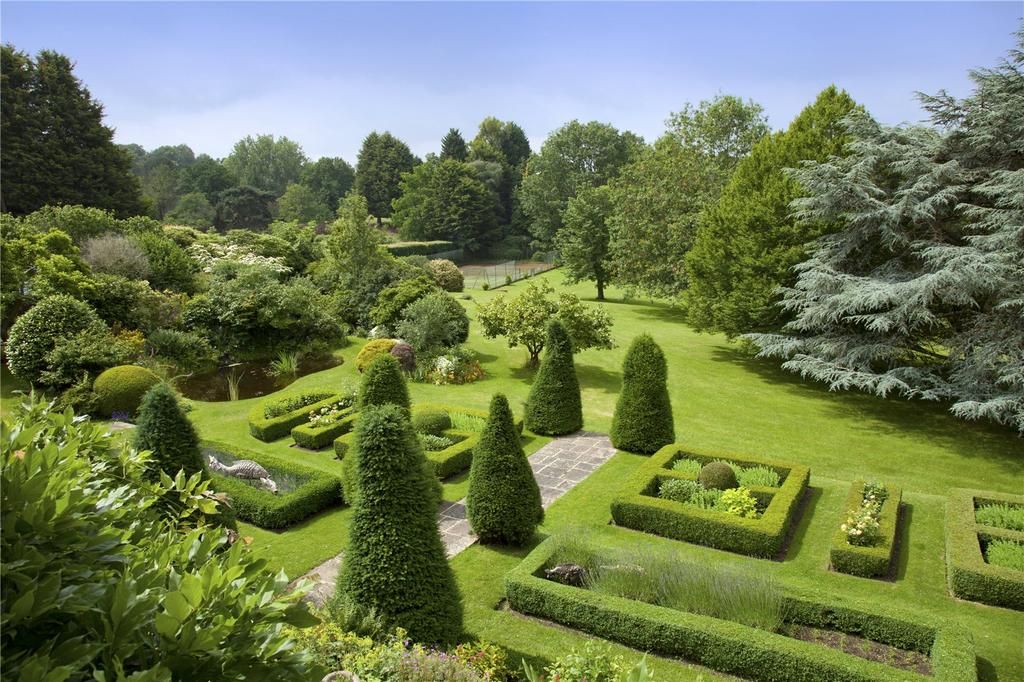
{"x": 594, "y": 664}
{"x": 862, "y": 527}
{"x": 330, "y": 414}
{"x": 209, "y": 255}
{"x": 738, "y": 501}
{"x": 457, "y": 366}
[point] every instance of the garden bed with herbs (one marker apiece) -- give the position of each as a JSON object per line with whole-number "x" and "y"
{"x": 985, "y": 547}
{"x": 733, "y": 621}
{"x": 725, "y": 501}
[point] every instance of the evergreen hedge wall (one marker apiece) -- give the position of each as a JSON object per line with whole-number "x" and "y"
{"x": 639, "y": 507}
{"x": 268, "y": 430}
{"x": 317, "y": 437}
{"x": 867, "y": 562}
{"x": 970, "y": 576}
{"x": 428, "y": 248}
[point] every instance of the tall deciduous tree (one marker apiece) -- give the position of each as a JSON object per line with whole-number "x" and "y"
{"x": 206, "y": 175}
{"x": 382, "y": 160}
{"x": 330, "y": 179}
{"x": 56, "y": 149}
{"x": 583, "y": 240}
{"x": 576, "y": 155}
{"x": 453, "y": 145}
{"x": 748, "y": 241}
{"x": 658, "y": 198}
{"x": 920, "y": 290}
{"x": 300, "y": 203}
{"x": 194, "y": 210}
{"x": 266, "y": 163}
{"x": 244, "y": 207}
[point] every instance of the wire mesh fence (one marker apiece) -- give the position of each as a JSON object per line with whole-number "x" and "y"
{"x": 500, "y": 274}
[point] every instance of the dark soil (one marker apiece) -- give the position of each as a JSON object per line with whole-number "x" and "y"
{"x": 892, "y": 656}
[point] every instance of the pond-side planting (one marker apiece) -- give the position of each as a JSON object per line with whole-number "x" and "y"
{"x": 732, "y": 622}
{"x": 726, "y": 501}
{"x": 865, "y": 540}
{"x": 983, "y": 560}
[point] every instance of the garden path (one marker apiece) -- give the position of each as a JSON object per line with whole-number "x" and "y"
{"x": 558, "y": 467}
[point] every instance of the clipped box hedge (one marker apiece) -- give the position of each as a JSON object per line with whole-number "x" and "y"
{"x": 737, "y": 649}
{"x": 427, "y": 248}
{"x": 640, "y": 509}
{"x": 316, "y": 491}
{"x": 969, "y": 575}
{"x": 319, "y": 437}
{"x": 271, "y": 429}
{"x": 867, "y": 562}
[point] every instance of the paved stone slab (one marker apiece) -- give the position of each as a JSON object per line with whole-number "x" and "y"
{"x": 558, "y": 467}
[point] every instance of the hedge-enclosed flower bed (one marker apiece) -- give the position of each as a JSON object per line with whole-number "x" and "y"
{"x": 270, "y": 429}
{"x": 764, "y": 536}
{"x": 867, "y": 561}
{"x": 318, "y": 437}
{"x": 310, "y": 490}
{"x": 737, "y": 649}
{"x": 970, "y": 576}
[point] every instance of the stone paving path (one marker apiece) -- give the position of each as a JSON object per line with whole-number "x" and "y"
{"x": 558, "y": 467}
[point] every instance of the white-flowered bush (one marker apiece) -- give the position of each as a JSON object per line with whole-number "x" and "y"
{"x": 211, "y": 254}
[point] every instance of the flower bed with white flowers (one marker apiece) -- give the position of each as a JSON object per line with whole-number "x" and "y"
{"x": 865, "y": 542}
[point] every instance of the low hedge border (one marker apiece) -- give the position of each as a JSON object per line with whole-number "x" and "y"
{"x": 262, "y": 508}
{"x": 867, "y": 562}
{"x": 425, "y": 248}
{"x": 319, "y": 437}
{"x": 761, "y": 537}
{"x": 969, "y": 575}
{"x": 271, "y": 429}
{"x": 736, "y": 649}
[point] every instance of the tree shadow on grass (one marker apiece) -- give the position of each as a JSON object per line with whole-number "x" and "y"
{"x": 653, "y": 310}
{"x": 986, "y": 671}
{"x": 905, "y": 515}
{"x": 929, "y": 421}
{"x": 791, "y": 548}
{"x": 592, "y": 376}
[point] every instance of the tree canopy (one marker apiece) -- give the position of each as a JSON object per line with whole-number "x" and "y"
{"x": 382, "y": 160}
{"x": 583, "y": 240}
{"x": 453, "y": 145}
{"x": 266, "y": 163}
{"x": 330, "y": 179}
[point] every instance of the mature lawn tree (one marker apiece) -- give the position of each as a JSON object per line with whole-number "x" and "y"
{"x": 583, "y": 240}
{"x": 575, "y": 156}
{"x": 55, "y": 148}
{"x": 330, "y": 179}
{"x": 382, "y": 160}
{"x": 301, "y": 204}
{"x": 749, "y": 241}
{"x": 453, "y": 145}
{"x": 266, "y": 163}
{"x": 657, "y": 199}
{"x": 920, "y": 290}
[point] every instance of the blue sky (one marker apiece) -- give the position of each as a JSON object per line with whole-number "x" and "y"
{"x": 326, "y": 74}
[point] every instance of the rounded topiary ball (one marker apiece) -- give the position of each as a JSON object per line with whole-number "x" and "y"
{"x": 717, "y": 475}
{"x": 434, "y": 422}
{"x": 120, "y": 389}
{"x": 372, "y": 350}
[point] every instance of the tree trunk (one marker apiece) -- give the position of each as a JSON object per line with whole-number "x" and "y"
{"x": 600, "y": 289}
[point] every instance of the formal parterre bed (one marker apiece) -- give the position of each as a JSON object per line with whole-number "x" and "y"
{"x": 864, "y": 544}
{"x": 985, "y": 547}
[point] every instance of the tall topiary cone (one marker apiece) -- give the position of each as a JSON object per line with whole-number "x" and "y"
{"x": 395, "y": 562}
{"x": 643, "y": 416}
{"x": 503, "y": 502}
{"x": 554, "y": 406}
{"x": 383, "y": 384}
{"x": 165, "y": 430}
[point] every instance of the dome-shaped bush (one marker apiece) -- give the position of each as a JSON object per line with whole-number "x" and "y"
{"x": 434, "y": 422}
{"x": 372, "y": 350}
{"x": 405, "y": 355}
{"x": 446, "y": 274}
{"x": 37, "y": 332}
{"x": 717, "y": 475}
{"x": 120, "y": 389}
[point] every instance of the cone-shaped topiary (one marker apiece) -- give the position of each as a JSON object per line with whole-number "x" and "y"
{"x": 643, "y": 415}
{"x": 503, "y": 501}
{"x": 395, "y": 562}
{"x": 383, "y": 384}
{"x": 717, "y": 475}
{"x": 554, "y": 406}
{"x": 164, "y": 429}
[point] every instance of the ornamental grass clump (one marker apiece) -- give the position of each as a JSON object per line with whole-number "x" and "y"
{"x": 643, "y": 420}
{"x": 395, "y": 562}
{"x": 554, "y": 406}
{"x": 503, "y": 502}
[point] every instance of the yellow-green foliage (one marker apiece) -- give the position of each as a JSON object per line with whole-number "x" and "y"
{"x": 120, "y": 389}
{"x": 372, "y": 350}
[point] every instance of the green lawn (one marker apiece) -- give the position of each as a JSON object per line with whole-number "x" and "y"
{"x": 724, "y": 400}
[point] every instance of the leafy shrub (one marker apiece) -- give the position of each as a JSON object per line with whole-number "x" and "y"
{"x": 1001, "y": 515}
{"x": 394, "y": 299}
{"x": 503, "y": 502}
{"x": 706, "y": 498}
{"x": 595, "y": 663}
{"x": 120, "y": 389}
{"x": 188, "y": 351}
{"x": 678, "y": 490}
{"x": 717, "y": 475}
{"x": 372, "y": 350}
{"x": 431, "y": 421}
{"x": 446, "y": 274}
{"x": 35, "y": 334}
{"x": 90, "y": 351}
{"x": 738, "y": 501}
{"x": 457, "y": 366}
{"x": 115, "y": 254}
{"x": 862, "y": 527}
{"x": 406, "y": 356}
{"x": 271, "y": 428}
{"x": 395, "y": 562}
{"x": 690, "y": 467}
{"x": 643, "y": 420}
{"x": 170, "y": 267}
{"x": 554, "y": 406}
{"x": 165, "y": 430}
{"x": 1005, "y": 553}
{"x": 435, "y": 321}
{"x": 95, "y": 531}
